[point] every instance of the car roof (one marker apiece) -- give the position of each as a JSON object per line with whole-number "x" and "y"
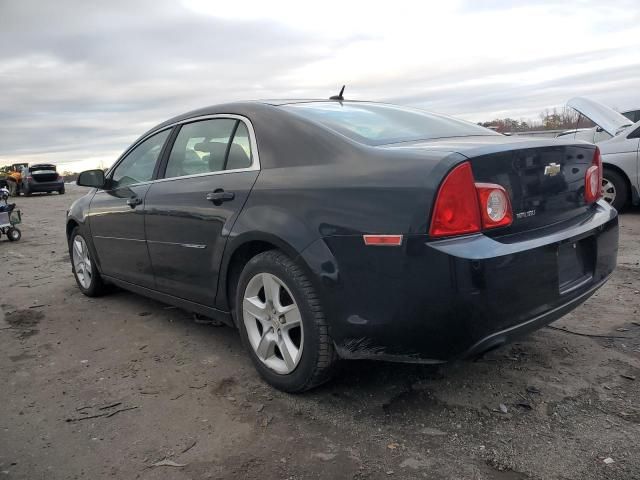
{"x": 289, "y": 101}
{"x": 241, "y": 108}
{"x": 217, "y": 108}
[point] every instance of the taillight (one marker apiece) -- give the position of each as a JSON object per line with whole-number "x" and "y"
{"x": 495, "y": 207}
{"x": 593, "y": 179}
{"x": 456, "y": 209}
{"x": 463, "y": 206}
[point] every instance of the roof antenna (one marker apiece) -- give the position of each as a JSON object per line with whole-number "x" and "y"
{"x": 339, "y": 96}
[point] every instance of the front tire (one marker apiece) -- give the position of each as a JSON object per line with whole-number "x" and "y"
{"x": 83, "y": 266}
{"x": 14, "y": 234}
{"x": 614, "y": 189}
{"x": 282, "y": 324}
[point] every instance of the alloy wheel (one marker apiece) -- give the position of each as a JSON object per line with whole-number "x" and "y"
{"x": 273, "y": 323}
{"x": 82, "y": 262}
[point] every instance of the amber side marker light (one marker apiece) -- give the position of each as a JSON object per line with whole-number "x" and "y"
{"x": 383, "y": 240}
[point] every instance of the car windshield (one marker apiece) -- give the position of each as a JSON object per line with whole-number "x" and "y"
{"x": 378, "y": 124}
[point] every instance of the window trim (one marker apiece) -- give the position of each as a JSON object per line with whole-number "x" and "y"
{"x": 166, "y": 149}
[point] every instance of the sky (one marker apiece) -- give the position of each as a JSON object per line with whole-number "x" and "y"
{"x": 81, "y": 80}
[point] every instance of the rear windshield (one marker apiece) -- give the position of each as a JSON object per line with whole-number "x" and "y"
{"x": 377, "y": 124}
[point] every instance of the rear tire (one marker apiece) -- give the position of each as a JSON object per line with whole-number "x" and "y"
{"x": 61, "y": 191}
{"x": 83, "y": 265}
{"x": 315, "y": 358}
{"x": 26, "y": 191}
{"x": 614, "y": 188}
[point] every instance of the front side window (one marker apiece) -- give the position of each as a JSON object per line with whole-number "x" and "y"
{"x": 206, "y": 146}
{"x": 140, "y": 162}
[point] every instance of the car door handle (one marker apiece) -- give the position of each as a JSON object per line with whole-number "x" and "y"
{"x": 219, "y": 195}
{"x": 133, "y": 202}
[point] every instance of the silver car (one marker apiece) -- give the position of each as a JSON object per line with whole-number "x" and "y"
{"x": 619, "y": 140}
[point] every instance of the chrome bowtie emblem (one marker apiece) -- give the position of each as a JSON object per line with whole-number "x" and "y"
{"x": 552, "y": 169}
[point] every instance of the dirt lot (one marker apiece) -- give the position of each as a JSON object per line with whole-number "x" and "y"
{"x": 108, "y": 387}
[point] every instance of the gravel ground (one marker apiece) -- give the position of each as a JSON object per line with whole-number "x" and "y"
{"x": 126, "y": 387}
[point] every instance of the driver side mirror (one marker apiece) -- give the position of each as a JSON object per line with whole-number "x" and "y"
{"x": 91, "y": 178}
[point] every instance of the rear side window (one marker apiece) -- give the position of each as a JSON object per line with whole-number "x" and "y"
{"x": 140, "y": 162}
{"x": 378, "y": 124}
{"x": 209, "y": 146}
{"x": 240, "y": 150}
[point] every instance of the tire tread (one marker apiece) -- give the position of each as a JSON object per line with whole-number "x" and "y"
{"x": 326, "y": 361}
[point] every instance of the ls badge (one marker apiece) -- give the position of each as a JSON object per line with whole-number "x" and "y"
{"x": 552, "y": 169}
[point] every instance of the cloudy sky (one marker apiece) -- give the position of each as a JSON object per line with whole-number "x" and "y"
{"x": 79, "y": 80}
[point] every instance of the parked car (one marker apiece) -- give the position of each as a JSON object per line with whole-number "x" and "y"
{"x": 619, "y": 140}
{"x": 328, "y": 230}
{"x": 41, "y": 178}
{"x": 28, "y": 179}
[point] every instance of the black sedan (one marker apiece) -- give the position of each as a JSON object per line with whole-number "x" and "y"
{"x": 40, "y": 178}
{"x": 328, "y": 230}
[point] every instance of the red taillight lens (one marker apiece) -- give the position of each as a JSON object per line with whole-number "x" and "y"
{"x": 456, "y": 210}
{"x": 495, "y": 207}
{"x": 593, "y": 179}
{"x": 463, "y": 206}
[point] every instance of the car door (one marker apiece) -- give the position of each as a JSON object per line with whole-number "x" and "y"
{"x": 116, "y": 214}
{"x": 208, "y": 174}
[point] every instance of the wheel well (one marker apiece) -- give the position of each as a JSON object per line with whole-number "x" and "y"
{"x": 238, "y": 260}
{"x": 71, "y": 224}
{"x": 621, "y": 173}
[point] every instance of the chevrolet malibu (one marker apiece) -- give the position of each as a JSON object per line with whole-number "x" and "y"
{"x": 327, "y": 230}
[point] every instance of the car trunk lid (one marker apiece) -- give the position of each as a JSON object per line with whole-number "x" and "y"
{"x": 544, "y": 177}
{"x": 545, "y": 184}
{"x": 43, "y": 173}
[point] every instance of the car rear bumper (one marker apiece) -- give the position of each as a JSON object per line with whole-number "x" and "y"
{"x": 434, "y": 301}
{"x": 53, "y": 186}
{"x": 509, "y": 334}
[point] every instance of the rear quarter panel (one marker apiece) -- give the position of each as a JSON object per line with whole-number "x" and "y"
{"x": 314, "y": 183}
